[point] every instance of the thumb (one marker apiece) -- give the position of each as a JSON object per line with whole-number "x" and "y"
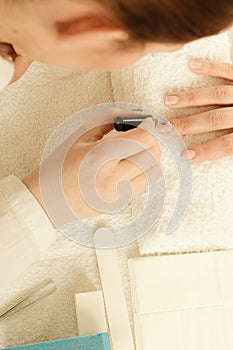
{"x": 92, "y": 133}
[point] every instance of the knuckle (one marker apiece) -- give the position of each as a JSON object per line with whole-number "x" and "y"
{"x": 190, "y": 98}
{"x": 211, "y": 67}
{"x": 150, "y": 160}
{"x": 229, "y": 70}
{"x": 105, "y": 186}
{"x": 202, "y": 149}
{"x": 228, "y": 145}
{"x": 105, "y": 176}
{"x": 219, "y": 93}
{"x": 182, "y": 125}
{"x": 156, "y": 151}
{"x": 215, "y": 119}
{"x": 215, "y": 68}
{"x": 146, "y": 137}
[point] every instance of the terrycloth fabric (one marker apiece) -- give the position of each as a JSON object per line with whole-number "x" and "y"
{"x": 208, "y": 223}
{"x": 34, "y": 106}
{"x": 32, "y": 109}
{"x": 22, "y": 296}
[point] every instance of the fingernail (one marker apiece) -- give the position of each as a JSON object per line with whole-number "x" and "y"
{"x": 188, "y": 155}
{"x": 195, "y": 64}
{"x": 172, "y": 100}
{"x": 165, "y": 128}
{"x": 148, "y": 124}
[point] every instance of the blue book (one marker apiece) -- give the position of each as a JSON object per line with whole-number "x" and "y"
{"x": 90, "y": 342}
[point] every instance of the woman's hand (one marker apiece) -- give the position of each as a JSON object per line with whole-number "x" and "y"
{"x": 21, "y": 63}
{"x": 216, "y": 119}
{"x": 137, "y": 146}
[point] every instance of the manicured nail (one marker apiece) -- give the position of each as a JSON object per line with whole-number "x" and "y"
{"x": 195, "y": 64}
{"x": 172, "y": 100}
{"x": 165, "y": 128}
{"x": 188, "y": 155}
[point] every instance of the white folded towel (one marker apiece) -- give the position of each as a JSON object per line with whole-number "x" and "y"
{"x": 24, "y": 294}
{"x": 208, "y": 223}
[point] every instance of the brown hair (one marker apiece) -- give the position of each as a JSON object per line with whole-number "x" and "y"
{"x": 174, "y": 21}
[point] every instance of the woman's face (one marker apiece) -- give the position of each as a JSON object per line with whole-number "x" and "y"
{"x": 75, "y": 34}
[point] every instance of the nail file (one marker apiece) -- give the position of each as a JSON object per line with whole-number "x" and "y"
{"x": 7, "y": 69}
{"x": 90, "y": 313}
{"x": 90, "y": 342}
{"x": 113, "y": 290}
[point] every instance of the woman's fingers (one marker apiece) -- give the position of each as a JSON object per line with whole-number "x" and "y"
{"x": 142, "y": 137}
{"x": 144, "y": 152}
{"x": 217, "y": 119}
{"x": 211, "y": 150}
{"x": 141, "y": 182}
{"x": 213, "y": 69}
{"x": 139, "y": 163}
{"x": 217, "y": 95}
{"x": 213, "y": 96}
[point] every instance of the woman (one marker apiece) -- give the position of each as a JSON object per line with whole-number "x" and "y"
{"x": 111, "y": 34}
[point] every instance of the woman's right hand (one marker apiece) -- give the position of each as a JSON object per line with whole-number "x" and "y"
{"x": 138, "y": 145}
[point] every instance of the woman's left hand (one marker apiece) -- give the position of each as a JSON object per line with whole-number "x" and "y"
{"x": 216, "y": 119}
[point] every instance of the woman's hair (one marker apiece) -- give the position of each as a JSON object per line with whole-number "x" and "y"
{"x": 174, "y": 21}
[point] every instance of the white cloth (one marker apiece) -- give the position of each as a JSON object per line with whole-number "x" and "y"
{"x": 24, "y": 228}
{"x": 7, "y": 69}
{"x": 208, "y": 221}
{"x": 33, "y": 107}
{"x": 25, "y": 233}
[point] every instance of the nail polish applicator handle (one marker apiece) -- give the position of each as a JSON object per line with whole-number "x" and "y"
{"x": 130, "y": 122}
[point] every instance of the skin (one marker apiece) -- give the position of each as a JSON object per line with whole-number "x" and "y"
{"x": 79, "y": 35}
{"x": 76, "y": 34}
{"x": 85, "y": 35}
{"x": 217, "y": 119}
{"x": 111, "y": 172}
